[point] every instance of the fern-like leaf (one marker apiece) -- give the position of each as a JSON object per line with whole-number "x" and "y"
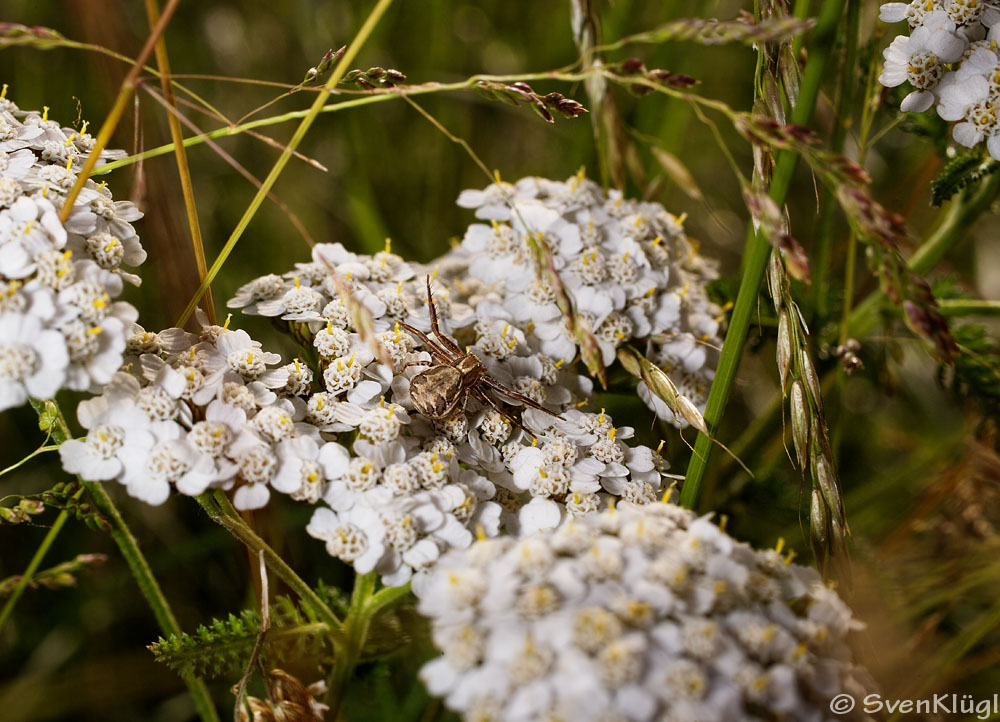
{"x": 222, "y": 647}
{"x": 963, "y": 170}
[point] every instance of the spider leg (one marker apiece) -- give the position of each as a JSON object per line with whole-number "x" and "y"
{"x": 511, "y": 393}
{"x": 484, "y": 398}
{"x": 447, "y": 342}
{"x": 414, "y": 363}
{"x": 430, "y": 307}
{"x": 451, "y": 345}
{"x": 439, "y": 352}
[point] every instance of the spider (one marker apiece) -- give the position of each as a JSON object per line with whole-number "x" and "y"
{"x": 454, "y": 376}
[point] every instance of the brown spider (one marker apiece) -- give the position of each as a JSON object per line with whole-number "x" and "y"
{"x": 455, "y": 375}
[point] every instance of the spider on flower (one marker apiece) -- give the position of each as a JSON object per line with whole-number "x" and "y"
{"x": 454, "y": 376}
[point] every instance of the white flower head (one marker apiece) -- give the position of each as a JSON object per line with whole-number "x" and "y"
{"x": 33, "y": 361}
{"x": 602, "y": 618}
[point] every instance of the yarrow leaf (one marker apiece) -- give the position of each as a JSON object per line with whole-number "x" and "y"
{"x": 964, "y": 170}
{"x": 223, "y": 646}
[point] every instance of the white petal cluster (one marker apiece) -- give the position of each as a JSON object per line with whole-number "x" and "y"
{"x": 631, "y": 273}
{"x": 412, "y": 487}
{"x": 951, "y": 59}
{"x": 60, "y": 326}
{"x": 190, "y": 413}
{"x": 636, "y": 614}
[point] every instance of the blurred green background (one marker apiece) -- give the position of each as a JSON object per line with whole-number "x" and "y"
{"x": 918, "y": 467}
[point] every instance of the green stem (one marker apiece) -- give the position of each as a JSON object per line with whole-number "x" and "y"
{"x": 377, "y": 96}
{"x": 286, "y": 154}
{"x": 35, "y": 562}
{"x": 356, "y": 628}
{"x": 799, "y": 12}
{"x": 221, "y": 511}
{"x": 383, "y": 95}
{"x": 969, "y": 307}
{"x": 757, "y": 253}
{"x": 129, "y": 548}
{"x": 961, "y": 307}
{"x": 842, "y": 120}
{"x": 40, "y": 450}
{"x": 150, "y": 589}
{"x": 385, "y": 598}
{"x": 951, "y": 227}
{"x": 850, "y": 271}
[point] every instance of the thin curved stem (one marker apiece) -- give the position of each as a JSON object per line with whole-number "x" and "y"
{"x": 969, "y": 307}
{"x": 286, "y": 154}
{"x": 35, "y": 562}
{"x": 115, "y": 115}
{"x": 40, "y": 450}
{"x": 381, "y": 95}
{"x": 842, "y": 120}
{"x": 951, "y": 227}
{"x": 141, "y": 572}
{"x": 180, "y": 154}
{"x": 385, "y": 598}
{"x": 221, "y": 511}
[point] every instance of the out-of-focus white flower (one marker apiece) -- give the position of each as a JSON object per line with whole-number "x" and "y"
{"x": 637, "y": 613}
{"x": 972, "y": 97}
{"x": 950, "y": 59}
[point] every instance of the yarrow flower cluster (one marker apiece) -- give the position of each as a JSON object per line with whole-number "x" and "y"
{"x": 631, "y": 273}
{"x": 951, "y": 60}
{"x": 60, "y": 326}
{"x": 413, "y": 487}
{"x": 637, "y": 613}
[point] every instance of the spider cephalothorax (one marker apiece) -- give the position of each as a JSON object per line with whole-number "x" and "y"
{"x": 444, "y": 387}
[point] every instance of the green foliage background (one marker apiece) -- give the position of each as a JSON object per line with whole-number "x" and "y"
{"x": 917, "y": 463}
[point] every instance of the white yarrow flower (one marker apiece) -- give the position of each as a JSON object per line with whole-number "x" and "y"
{"x": 604, "y": 618}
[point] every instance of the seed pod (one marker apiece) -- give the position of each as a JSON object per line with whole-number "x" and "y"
{"x": 772, "y": 98}
{"x": 783, "y": 355}
{"x": 545, "y": 270}
{"x": 661, "y": 385}
{"x": 691, "y": 414}
{"x": 800, "y": 423}
{"x": 812, "y": 382}
{"x": 818, "y": 520}
{"x": 630, "y": 361}
{"x": 775, "y": 278}
{"x": 825, "y": 480}
{"x": 788, "y": 68}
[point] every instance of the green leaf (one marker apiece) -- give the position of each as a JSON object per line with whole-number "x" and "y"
{"x": 224, "y": 645}
{"x": 964, "y": 170}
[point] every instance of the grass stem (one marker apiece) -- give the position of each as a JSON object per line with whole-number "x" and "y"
{"x": 757, "y": 252}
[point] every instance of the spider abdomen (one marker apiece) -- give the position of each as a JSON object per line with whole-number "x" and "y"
{"x": 436, "y": 392}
